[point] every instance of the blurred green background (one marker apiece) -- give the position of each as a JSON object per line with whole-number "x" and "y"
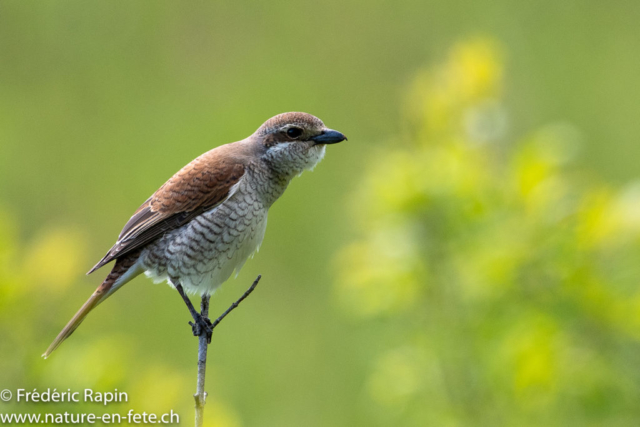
{"x": 469, "y": 257}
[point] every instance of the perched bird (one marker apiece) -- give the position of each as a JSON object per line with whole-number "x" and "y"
{"x": 209, "y": 217}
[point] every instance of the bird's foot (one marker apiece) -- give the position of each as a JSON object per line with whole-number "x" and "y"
{"x": 202, "y": 326}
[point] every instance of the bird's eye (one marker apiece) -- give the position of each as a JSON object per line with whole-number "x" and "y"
{"x": 294, "y": 132}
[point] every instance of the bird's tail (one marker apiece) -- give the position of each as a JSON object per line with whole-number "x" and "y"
{"x": 123, "y": 271}
{"x": 98, "y": 296}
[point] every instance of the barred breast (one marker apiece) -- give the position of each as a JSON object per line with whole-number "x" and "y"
{"x": 204, "y": 253}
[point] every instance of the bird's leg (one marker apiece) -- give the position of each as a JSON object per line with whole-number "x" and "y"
{"x": 201, "y": 323}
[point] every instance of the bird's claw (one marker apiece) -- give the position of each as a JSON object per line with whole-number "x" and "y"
{"x": 202, "y": 326}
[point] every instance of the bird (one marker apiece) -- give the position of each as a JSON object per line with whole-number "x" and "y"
{"x": 204, "y": 222}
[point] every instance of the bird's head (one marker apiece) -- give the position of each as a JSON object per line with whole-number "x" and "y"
{"x": 295, "y": 142}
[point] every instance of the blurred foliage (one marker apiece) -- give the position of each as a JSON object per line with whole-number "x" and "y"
{"x": 33, "y": 280}
{"x": 508, "y": 276}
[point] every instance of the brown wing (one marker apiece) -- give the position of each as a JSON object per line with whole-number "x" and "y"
{"x": 200, "y": 186}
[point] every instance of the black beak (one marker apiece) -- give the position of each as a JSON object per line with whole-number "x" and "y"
{"x": 329, "y": 137}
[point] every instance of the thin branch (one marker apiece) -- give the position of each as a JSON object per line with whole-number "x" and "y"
{"x": 204, "y": 339}
{"x": 201, "y": 395}
{"x": 235, "y": 304}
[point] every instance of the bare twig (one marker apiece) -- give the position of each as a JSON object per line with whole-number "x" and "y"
{"x": 235, "y": 304}
{"x": 201, "y": 395}
{"x": 204, "y": 339}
